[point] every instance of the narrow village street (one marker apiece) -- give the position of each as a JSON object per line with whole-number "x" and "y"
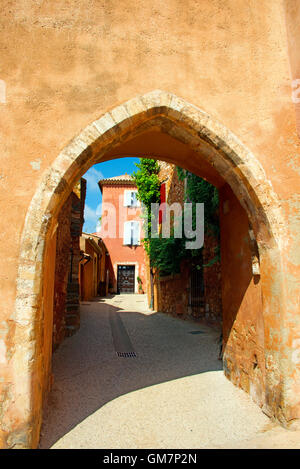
{"x": 167, "y": 391}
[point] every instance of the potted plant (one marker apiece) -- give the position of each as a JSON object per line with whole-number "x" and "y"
{"x": 140, "y": 285}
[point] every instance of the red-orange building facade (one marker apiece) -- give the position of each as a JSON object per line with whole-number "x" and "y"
{"x": 121, "y": 231}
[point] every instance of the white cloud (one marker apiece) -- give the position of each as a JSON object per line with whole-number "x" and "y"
{"x": 92, "y": 177}
{"x": 91, "y": 217}
{"x": 98, "y": 226}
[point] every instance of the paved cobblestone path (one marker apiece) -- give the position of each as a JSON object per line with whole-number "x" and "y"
{"x": 132, "y": 378}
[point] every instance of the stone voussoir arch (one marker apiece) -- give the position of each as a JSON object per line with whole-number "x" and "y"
{"x": 184, "y": 121}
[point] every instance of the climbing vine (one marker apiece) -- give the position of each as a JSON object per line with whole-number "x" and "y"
{"x": 200, "y": 191}
{"x": 148, "y": 185}
{"x": 165, "y": 254}
{"x": 147, "y": 181}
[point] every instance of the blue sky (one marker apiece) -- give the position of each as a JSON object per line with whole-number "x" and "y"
{"x": 92, "y": 210}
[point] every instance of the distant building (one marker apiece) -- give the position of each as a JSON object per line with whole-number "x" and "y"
{"x": 121, "y": 230}
{"x": 92, "y": 271}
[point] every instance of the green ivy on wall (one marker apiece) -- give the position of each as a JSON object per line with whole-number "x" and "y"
{"x": 200, "y": 191}
{"x": 165, "y": 254}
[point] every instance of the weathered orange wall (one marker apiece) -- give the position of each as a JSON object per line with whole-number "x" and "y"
{"x": 243, "y": 325}
{"x": 65, "y": 64}
{"x": 292, "y": 8}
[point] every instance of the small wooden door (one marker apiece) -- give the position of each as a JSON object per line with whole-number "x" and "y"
{"x": 126, "y": 278}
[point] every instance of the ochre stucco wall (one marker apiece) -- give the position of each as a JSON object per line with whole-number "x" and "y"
{"x": 65, "y": 64}
{"x": 83, "y": 60}
{"x": 292, "y": 8}
{"x": 243, "y": 324}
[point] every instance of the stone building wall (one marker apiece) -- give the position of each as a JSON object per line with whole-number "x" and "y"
{"x": 173, "y": 293}
{"x": 73, "y": 290}
{"x": 63, "y": 242}
{"x": 66, "y": 314}
{"x": 212, "y": 282}
{"x": 174, "y": 187}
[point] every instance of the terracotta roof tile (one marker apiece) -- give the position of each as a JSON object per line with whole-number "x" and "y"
{"x": 122, "y": 179}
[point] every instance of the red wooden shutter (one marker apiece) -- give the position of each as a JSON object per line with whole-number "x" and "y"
{"x": 162, "y": 201}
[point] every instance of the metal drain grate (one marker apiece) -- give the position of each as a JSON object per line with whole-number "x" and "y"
{"x": 121, "y": 339}
{"x": 126, "y": 354}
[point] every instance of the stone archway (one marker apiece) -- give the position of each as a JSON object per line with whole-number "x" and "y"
{"x": 236, "y": 164}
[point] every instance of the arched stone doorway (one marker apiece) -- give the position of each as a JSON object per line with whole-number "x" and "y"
{"x": 217, "y": 148}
